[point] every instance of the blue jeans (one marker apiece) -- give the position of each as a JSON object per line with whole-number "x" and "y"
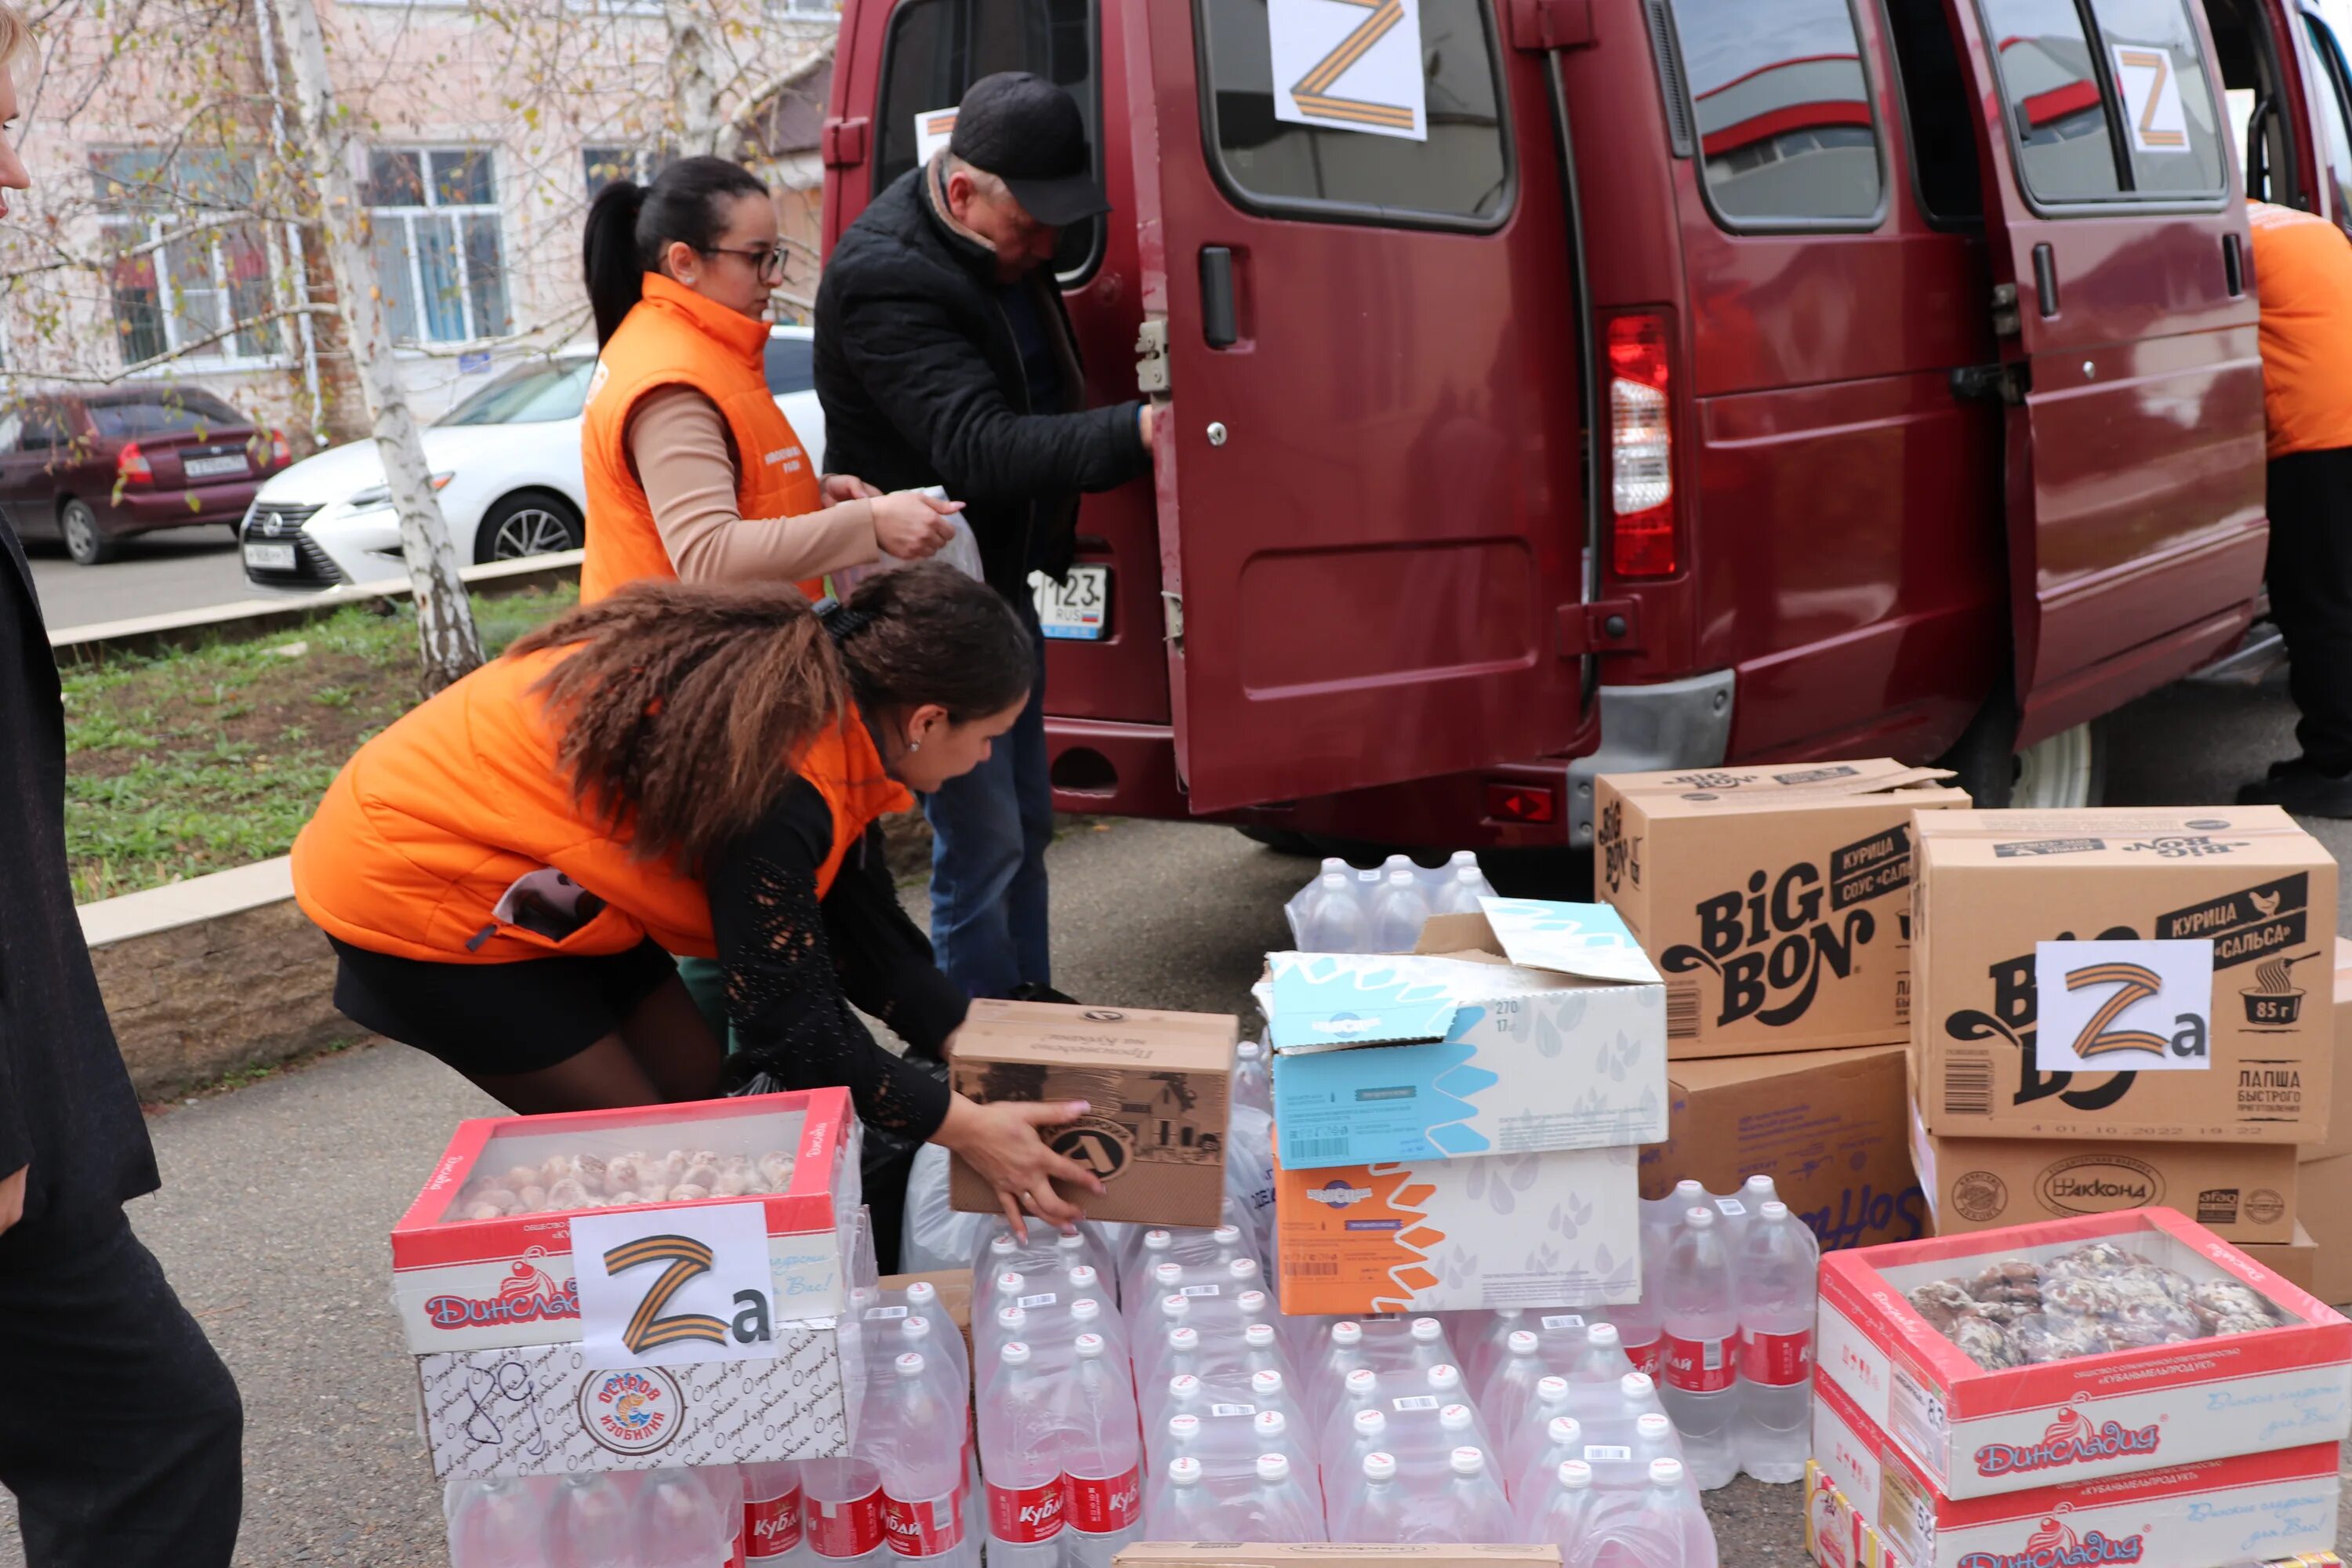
{"x": 989, "y": 833}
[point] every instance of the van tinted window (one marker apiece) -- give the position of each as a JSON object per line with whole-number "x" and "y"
{"x": 2328, "y": 101}
{"x": 2170, "y": 123}
{"x": 179, "y": 412}
{"x": 2056, "y": 108}
{"x": 1460, "y": 172}
{"x": 1782, "y": 108}
{"x": 1939, "y": 110}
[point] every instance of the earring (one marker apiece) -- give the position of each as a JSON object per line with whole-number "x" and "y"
{"x": 914, "y": 745}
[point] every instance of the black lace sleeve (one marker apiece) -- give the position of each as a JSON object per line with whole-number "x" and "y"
{"x": 783, "y": 986}
{"x": 887, "y": 965}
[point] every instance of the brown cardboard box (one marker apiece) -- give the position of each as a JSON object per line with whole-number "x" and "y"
{"x": 1201, "y": 1554}
{"x": 2339, "y": 1116}
{"x": 2241, "y": 1192}
{"x": 1775, "y": 898}
{"x": 954, "y": 1286}
{"x": 2295, "y": 1261}
{"x": 2125, "y": 904}
{"x": 2327, "y": 1216}
{"x": 1826, "y": 1126}
{"x": 1158, "y": 1083}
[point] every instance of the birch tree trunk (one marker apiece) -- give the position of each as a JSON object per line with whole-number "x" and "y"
{"x": 444, "y": 619}
{"x": 695, "y": 64}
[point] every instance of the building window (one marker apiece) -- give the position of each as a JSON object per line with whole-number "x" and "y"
{"x": 806, "y": 10}
{"x": 191, "y": 277}
{"x": 605, "y": 165}
{"x": 440, "y": 251}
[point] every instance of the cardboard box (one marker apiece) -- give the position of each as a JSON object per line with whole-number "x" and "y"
{"x": 2241, "y": 1192}
{"x": 1202, "y": 1554}
{"x": 2339, "y": 1116}
{"x": 1160, "y": 1084}
{"x": 1555, "y": 1229}
{"x": 1826, "y": 1126}
{"x": 2178, "y": 947}
{"x": 954, "y": 1286}
{"x": 1776, "y": 899}
{"x": 1965, "y": 1427}
{"x": 2327, "y": 1216}
{"x": 2297, "y": 1261}
{"x": 2239, "y": 1510}
{"x": 1836, "y": 1535}
{"x": 1529, "y": 1028}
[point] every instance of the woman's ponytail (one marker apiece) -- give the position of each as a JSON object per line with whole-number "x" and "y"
{"x": 615, "y": 272}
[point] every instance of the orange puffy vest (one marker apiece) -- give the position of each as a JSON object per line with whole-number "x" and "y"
{"x": 672, "y": 336}
{"x": 2303, "y": 275}
{"x": 430, "y": 824}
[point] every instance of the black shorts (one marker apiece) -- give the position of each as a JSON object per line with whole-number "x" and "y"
{"x": 497, "y": 1019}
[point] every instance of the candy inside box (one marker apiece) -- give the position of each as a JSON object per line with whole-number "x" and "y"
{"x": 2130, "y": 1339}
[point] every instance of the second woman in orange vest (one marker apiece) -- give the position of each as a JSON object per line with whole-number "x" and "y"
{"x": 691, "y": 470}
{"x": 506, "y": 870}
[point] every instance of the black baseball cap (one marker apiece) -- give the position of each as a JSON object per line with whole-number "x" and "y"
{"x": 1027, "y": 132}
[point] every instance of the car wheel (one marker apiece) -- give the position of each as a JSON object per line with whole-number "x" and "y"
{"x": 84, "y": 540}
{"x": 2064, "y": 772}
{"x": 528, "y": 522}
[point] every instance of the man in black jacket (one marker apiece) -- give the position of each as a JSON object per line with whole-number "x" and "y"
{"x": 122, "y": 1447}
{"x": 944, "y": 357}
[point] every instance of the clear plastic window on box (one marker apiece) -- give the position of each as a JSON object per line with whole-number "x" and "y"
{"x": 574, "y": 1169}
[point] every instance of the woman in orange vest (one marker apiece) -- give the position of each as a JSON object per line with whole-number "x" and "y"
{"x": 504, "y": 872}
{"x": 692, "y": 471}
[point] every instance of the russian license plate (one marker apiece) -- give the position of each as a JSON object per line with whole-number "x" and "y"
{"x": 1074, "y": 608}
{"x": 270, "y": 557}
{"x": 213, "y": 468}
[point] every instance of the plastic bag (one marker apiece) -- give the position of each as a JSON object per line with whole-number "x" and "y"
{"x": 936, "y": 1236}
{"x": 962, "y": 553}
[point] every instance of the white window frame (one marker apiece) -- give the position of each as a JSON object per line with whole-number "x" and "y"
{"x": 641, "y": 162}
{"x": 406, "y": 218}
{"x": 139, "y": 228}
{"x": 826, "y": 11}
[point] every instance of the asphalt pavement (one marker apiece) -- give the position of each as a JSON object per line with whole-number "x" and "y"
{"x": 278, "y": 1197}
{"x": 170, "y": 569}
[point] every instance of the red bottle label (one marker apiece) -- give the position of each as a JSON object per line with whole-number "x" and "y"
{"x": 1647, "y": 1357}
{"x": 1099, "y": 1506}
{"x": 1023, "y": 1516}
{"x": 772, "y": 1529}
{"x": 1699, "y": 1366}
{"x": 1777, "y": 1361}
{"x": 924, "y": 1527}
{"x": 849, "y": 1528}
{"x": 735, "y": 1558}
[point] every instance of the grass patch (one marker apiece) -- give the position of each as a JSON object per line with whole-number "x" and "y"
{"x": 200, "y": 758}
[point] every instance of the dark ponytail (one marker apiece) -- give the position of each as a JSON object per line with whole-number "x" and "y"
{"x": 928, "y": 633}
{"x": 629, "y": 227}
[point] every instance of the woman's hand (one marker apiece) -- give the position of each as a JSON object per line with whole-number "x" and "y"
{"x": 911, "y": 525}
{"x": 1000, "y": 1143}
{"x": 839, "y": 487}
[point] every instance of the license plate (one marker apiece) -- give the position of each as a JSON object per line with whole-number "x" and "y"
{"x": 270, "y": 557}
{"x": 1074, "y": 608}
{"x": 212, "y": 467}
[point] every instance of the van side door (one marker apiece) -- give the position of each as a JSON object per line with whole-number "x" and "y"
{"x": 2125, "y": 309}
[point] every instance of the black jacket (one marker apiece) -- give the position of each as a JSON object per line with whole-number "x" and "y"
{"x": 921, "y": 382}
{"x": 65, "y": 1104}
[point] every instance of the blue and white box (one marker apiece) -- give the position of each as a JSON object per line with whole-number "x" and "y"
{"x": 1528, "y": 1027}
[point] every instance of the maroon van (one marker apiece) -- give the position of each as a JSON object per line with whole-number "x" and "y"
{"x": 1674, "y": 382}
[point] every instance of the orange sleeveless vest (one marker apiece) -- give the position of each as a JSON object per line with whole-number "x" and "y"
{"x": 675, "y": 336}
{"x": 430, "y": 824}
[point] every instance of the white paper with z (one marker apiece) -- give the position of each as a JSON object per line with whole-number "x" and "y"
{"x": 932, "y": 129}
{"x": 2151, "y": 93}
{"x": 1349, "y": 65}
{"x": 2122, "y": 1006}
{"x": 664, "y": 1286}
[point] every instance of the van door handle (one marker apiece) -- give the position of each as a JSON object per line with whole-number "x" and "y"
{"x": 2233, "y": 265}
{"x": 2045, "y": 278}
{"x": 1218, "y": 320}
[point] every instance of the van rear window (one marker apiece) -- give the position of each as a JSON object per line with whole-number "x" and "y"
{"x": 1460, "y": 172}
{"x": 1783, "y": 108}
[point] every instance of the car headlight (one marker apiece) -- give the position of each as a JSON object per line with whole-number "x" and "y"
{"x": 377, "y": 495}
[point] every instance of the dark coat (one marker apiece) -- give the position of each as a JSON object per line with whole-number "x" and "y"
{"x": 65, "y": 1104}
{"x": 922, "y": 385}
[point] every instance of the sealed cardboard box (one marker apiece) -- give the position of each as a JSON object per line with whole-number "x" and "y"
{"x": 2339, "y": 1117}
{"x": 2241, "y": 1192}
{"x": 1159, "y": 1084}
{"x": 2159, "y": 1343}
{"x": 2240, "y": 1509}
{"x": 1556, "y": 1229}
{"x": 2327, "y": 1216}
{"x": 2123, "y": 974}
{"x": 2297, "y": 1261}
{"x": 1776, "y": 899}
{"x": 1826, "y": 1126}
{"x": 1529, "y": 1029}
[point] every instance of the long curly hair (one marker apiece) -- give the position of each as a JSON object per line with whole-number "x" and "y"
{"x": 684, "y": 709}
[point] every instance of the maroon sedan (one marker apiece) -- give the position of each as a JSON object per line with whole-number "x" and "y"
{"x": 93, "y": 468}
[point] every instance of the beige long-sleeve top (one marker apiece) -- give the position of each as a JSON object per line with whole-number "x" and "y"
{"x": 683, "y": 456}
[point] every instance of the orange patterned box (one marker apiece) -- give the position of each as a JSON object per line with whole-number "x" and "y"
{"x": 1555, "y": 1229}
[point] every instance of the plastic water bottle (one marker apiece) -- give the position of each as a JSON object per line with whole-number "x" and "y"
{"x": 771, "y": 1514}
{"x": 1272, "y": 1433}
{"x": 1471, "y": 1507}
{"x": 1667, "y": 1526}
{"x": 1102, "y": 1458}
{"x": 1459, "y": 893}
{"x": 1367, "y": 1434}
{"x": 1523, "y": 1441}
{"x": 1253, "y": 1082}
{"x": 842, "y": 1518}
{"x": 1482, "y": 1347}
{"x": 917, "y": 1442}
{"x": 1276, "y": 1512}
{"x": 1600, "y": 1358}
{"x": 1563, "y": 1440}
{"x": 1269, "y": 1390}
{"x": 1641, "y": 1328}
{"x": 589, "y": 1522}
{"x": 1426, "y": 1339}
{"x": 1334, "y": 920}
{"x": 1777, "y": 1270}
{"x": 1511, "y": 1386}
{"x": 1398, "y": 913}
{"x": 1360, "y": 1392}
{"x": 1372, "y": 1511}
{"x": 678, "y": 1522}
{"x": 1701, "y": 1308}
{"x": 1342, "y": 1353}
{"x": 1019, "y": 1448}
{"x": 1558, "y": 1513}
{"x": 494, "y": 1524}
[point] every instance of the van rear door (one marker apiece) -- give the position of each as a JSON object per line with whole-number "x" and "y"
{"x": 2126, "y": 310}
{"x": 1357, "y": 291}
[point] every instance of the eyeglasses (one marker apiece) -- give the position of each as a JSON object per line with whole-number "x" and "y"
{"x": 768, "y": 260}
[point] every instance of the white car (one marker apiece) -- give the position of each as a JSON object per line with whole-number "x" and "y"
{"x": 506, "y": 462}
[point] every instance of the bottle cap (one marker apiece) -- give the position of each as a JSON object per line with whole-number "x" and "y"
{"x": 1774, "y": 1210}
{"x": 1086, "y": 1310}
{"x": 1637, "y": 1385}
{"x": 1689, "y": 1187}
{"x": 1605, "y": 1335}
{"x": 1251, "y": 1302}
{"x": 1243, "y": 1269}
{"x": 1654, "y": 1427}
{"x": 1083, "y": 1277}
{"x": 1400, "y": 878}
{"x": 1226, "y": 1235}
{"x": 1011, "y": 1318}
{"x": 1157, "y": 1241}
{"x": 1363, "y": 1380}
{"x": 1249, "y": 1050}
{"x": 1521, "y": 1343}
{"x": 922, "y": 1293}
{"x": 914, "y": 1328}
{"x": 1175, "y": 1306}
{"x": 1089, "y": 1345}
{"x": 1427, "y": 1330}
{"x": 1070, "y": 1241}
{"x": 1698, "y": 1218}
{"x": 1183, "y": 1388}
{"x": 1273, "y": 1467}
{"x": 1015, "y": 1354}
{"x": 1551, "y": 1389}
{"x": 1334, "y": 863}
{"x": 1183, "y": 1428}
{"x": 1444, "y": 1377}
{"x": 1759, "y": 1183}
{"x": 1184, "y": 1472}
{"x": 910, "y": 1366}
{"x": 1565, "y": 1429}
{"x": 1665, "y": 1472}
{"x": 1463, "y": 857}
{"x": 1010, "y": 1283}
{"x": 1168, "y": 1273}
{"x": 1335, "y": 881}
{"x": 1510, "y": 1314}
{"x": 1380, "y": 1468}
{"x": 1264, "y": 1383}
{"x": 1183, "y": 1340}
{"x": 1467, "y": 1461}
{"x": 1455, "y": 1418}
{"x": 1268, "y": 1424}
{"x": 1575, "y": 1474}
{"x": 1003, "y": 1247}
{"x": 1258, "y": 1336}
{"x": 1348, "y": 1333}
{"x": 1369, "y": 1422}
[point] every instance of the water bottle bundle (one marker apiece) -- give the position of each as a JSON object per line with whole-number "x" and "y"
{"x": 656, "y": 1519}
{"x": 1348, "y": 910}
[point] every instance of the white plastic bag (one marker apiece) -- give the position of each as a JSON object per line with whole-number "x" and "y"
{"x": 934, "y": 1236}
{"x": 962, "y": 553}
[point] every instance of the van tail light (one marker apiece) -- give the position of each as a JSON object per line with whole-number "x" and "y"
{"x": 281, "y": 450}
{"x": 1641, "y": 446}
{"x": 132, "y": 468}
